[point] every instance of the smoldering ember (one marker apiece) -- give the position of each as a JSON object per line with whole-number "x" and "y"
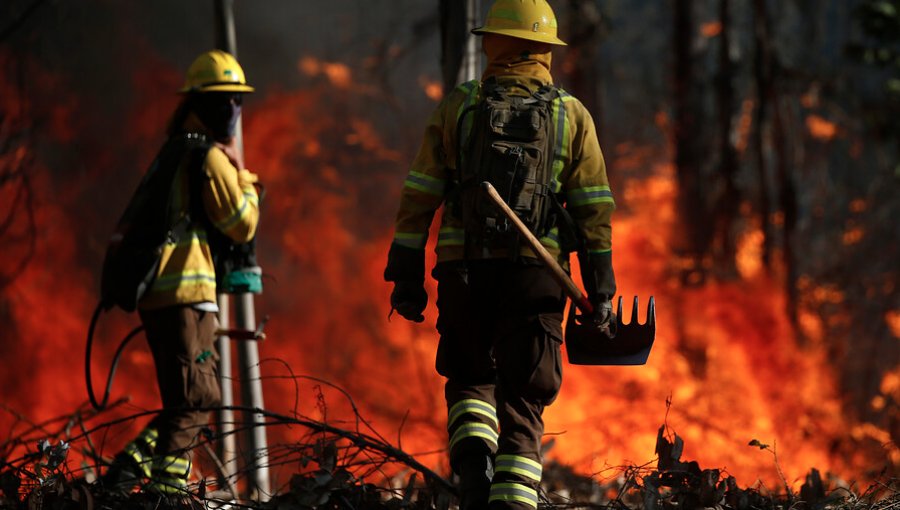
{"x": 450, "y": 254}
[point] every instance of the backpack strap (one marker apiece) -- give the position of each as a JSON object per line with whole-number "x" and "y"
{"x": 546, "y": 93}
{"x": 196, "y": 145}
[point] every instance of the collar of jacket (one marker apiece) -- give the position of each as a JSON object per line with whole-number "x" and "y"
{"x": 506, "y": 58}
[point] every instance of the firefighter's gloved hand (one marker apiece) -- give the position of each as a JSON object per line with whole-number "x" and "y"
{"x": 409, "y": 299}
{"x": 603, "y": 318}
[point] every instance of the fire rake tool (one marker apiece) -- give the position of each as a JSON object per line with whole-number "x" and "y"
{"x": 627, "y": 344}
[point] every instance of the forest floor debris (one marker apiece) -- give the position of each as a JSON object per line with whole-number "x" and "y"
{"x": 344, "y": 469}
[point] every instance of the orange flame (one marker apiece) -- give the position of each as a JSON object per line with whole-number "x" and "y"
{"x": 432, "y": 88}
{"x": 336, "y": 72}
{"x": 745, "y": 125}
{"x": 711, "y": 28}
{"x": 725, "y": 354}
{"x": 820, "y": 128}
{"x": 893, "y": 321}
{"x": 853, "y": 235}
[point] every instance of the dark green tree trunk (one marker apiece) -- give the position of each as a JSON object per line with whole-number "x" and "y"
{"x": 762, "y": 70}
{"x": 726, "y": 209}
{"x": 580, "y": 65}
{"x": 695, "y": 220}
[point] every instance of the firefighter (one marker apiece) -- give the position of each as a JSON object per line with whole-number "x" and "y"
{"x": 212, "y": 188}
{"x": 499, "y": 310}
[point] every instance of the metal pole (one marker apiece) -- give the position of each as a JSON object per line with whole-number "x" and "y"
{"x": 225, "y": 417}
{"x": 225, "y": 34}
{"x": 256, "y": 459}
{"x": 471, "y": 66}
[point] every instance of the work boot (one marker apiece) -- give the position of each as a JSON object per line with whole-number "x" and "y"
{"x": 169, "y": 475}
{"x": 123, "y": 475}
{"x": 475, "y": 474}
{"x": 130, "y": 466}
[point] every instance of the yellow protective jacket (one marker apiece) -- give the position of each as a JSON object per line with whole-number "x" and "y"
{"x": 579, "y": 172}
{"x": 186, "y": 272}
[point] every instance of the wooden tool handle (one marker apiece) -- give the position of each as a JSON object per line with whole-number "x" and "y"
{"x": 561, "y": 277}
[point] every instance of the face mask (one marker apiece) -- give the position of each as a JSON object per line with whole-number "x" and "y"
{"x": 219, "y": 112}
{"x": 233, "y": 120}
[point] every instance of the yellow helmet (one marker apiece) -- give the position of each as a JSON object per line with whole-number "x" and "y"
{"x": 215, "y": 71}
{"x": 525, "y": 19}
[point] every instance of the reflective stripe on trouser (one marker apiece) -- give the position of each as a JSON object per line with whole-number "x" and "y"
{"x": 170, "y": 474}
{"x": 472, "y": 418}
{"x": 513, "y": 493}
{"x": 472, "y": 423}
{"x": 474, "y": 430}
{"x": 472, "y": 406}
{"x": 141, "y": 449}
{"x": 518, "y": 465}
{"x": 516, "y": 480}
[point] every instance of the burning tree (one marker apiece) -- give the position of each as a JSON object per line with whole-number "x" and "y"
{"x": 756, "y": 203}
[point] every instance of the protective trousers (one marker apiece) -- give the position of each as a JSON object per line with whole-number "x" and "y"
{"x": 181, "y": 339}
{"x": 500, "y": 323}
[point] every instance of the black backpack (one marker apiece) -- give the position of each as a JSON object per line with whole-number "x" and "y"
{"x": 510, "y": 144}
{"x": 133, "y": 256}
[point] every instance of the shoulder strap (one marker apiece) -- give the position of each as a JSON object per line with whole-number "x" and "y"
{"x": 197, "y": 146}
{"x": 547, "y": 93}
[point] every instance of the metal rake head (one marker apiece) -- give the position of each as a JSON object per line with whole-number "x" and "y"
{"x": 630, "y": 344}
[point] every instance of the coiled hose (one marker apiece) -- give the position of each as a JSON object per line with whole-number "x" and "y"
{"x": 115, "y": 362}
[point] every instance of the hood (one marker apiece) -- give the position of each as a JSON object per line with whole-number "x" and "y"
{"x": 509, "y": 56}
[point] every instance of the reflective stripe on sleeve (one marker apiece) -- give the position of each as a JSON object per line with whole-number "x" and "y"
{"x": 252, "y": 197}
{"x": 522, "y": 466}
{"x": 474, "y": 406}
{"x": 414, "y": 240}
{"x": 450, "y": 236}
{"x": 514, "y": 492}
{"x": 589, "y": 195}
{"x": 424, "y": 183}
{"x": 235, "y": 217}
{"x": 551, "y": 239}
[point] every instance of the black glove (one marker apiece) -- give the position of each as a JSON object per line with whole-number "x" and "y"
{"x": 405, "y": 264}
{"x": 598, "y": 276}
{"x": 406, "y": 268}
{"x": 409, "y": 299}
{"x": 603, "y": 317}
{"x": 600, "y": 284}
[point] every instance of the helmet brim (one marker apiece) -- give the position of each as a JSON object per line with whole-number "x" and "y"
{"x": 521, "y": 34}
{"x": 221, "y": 87}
